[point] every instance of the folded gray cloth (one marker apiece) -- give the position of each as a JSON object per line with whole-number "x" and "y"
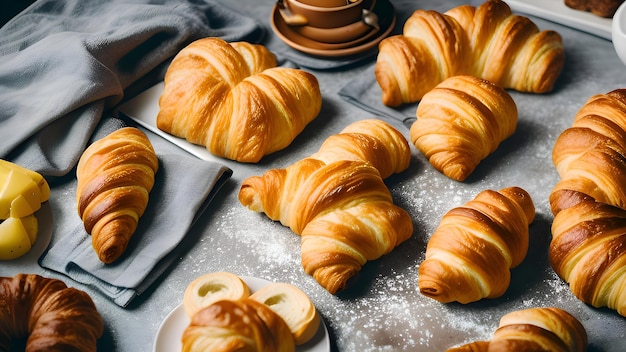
{"x": 63, "y": 63}
{"x": 184, "y": 186}
{"x": 364, "y": 92}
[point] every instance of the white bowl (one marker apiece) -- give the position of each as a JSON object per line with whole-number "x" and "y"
{"x": 618, "y": 32}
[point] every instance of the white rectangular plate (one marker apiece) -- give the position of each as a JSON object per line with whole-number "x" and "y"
{"x": 556, "y": 11}
{"x": 144, "y": 109}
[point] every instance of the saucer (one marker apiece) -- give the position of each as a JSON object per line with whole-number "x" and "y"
{"x": 387, "y": 19}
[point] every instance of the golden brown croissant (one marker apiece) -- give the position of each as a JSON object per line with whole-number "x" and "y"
{"x": 590, "y": 156}
{"x": 232, "y": 99}
{"x": 460, "y": 122}
{"x": 487, "y": 41}
{"x": 533, "y": 329}
{"x": 47, "y": 314}
{"x": 115, "y": 175}
{"x": 337, "y": 201}
{"x": 237, "y": 325}
{"x": 588, "y": 251}
{"x": 589, "y": 203}
{"x": 470, "y": 255}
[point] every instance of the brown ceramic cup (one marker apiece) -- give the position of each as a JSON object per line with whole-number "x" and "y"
{"x": 327, "y": 17}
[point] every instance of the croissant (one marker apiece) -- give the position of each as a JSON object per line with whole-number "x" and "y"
{"x": 232, "y": 99}
{"x": 460, "y": 122}
{"x": 337, "y": 201}
{"x": 237, "y": 325}
{"x": 470, "y": 254}
{"x": 533, "y": 329}
{"x": 487, "y": 41}
{"x": 590, "y": 156}
{"x": 115, "y": 175}
{"x": 212, "y": 287}
{"x": 589, "y": 203}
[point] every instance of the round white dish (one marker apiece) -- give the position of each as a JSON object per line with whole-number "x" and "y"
{"x": 618, "y": 32}
{"x": 168, "y": 336}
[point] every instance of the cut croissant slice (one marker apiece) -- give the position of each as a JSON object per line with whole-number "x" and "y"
{"x": 461, "y": 122}
{"x": 294, "y": 306}
{"x": 212, "y": 287}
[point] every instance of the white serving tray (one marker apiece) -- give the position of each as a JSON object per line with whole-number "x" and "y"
{"x": 556, "y": 11}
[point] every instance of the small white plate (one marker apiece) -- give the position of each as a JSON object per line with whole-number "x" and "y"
{"x": 557, "y": 11}
{"x": 169, "y": 335}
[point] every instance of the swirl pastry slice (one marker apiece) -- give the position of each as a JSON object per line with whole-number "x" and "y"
{"x": 533, "y": 329}
{"x": 212, "y": 287}
{"x": 487, "y": 41}
{"x": 337, "y": 200}
{"x": 231, "y": 98}
{"x": 242, "y": 325}
{"x": 470, "y": 255}
{"x": 294, "y": 306}
{"x": 460, "y": 122}
{"x": 115, "y": 176}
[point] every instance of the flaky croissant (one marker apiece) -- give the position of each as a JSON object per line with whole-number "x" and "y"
{"x": 590, "y": 156}
{"x": 337, "y": 201}
{"x": 237, "y": 325}
{"x": 589, "y": 203}
{"x": 231, "y": 98}
{"x": 470, "y": 254}
{"x": 533, "y": 329}
{"x": 115, "y": 176}
{"x": 460, "y": 122}
{"x": 212, "y": 287}
{"x": 487, "y": 41}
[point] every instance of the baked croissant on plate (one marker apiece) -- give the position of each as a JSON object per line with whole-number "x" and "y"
{"x": 470, "y": 254}
{"x": 337, "y": 201}
{"x": 231, "y": 98}
{"x": 487, "y": 41}
{"x": 460, "y": 122}
{"x": 589, "y": 203}
{"x": 115, "y": 176}
{"x": 533, "y": 329}
{"x": 237, "y": 325}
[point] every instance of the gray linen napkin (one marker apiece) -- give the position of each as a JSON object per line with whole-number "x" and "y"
{"x": 364, "y": 92}
{"x": 63, "y": 63}
{"x": 184, "y": 186}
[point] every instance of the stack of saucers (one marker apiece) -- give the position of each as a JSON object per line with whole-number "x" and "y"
{"x": 332, "y": 28}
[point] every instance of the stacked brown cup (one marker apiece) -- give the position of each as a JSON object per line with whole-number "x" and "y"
{"x": 332, "y": 27}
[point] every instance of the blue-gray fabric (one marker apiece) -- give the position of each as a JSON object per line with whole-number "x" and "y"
{"x": 63, "y": 65}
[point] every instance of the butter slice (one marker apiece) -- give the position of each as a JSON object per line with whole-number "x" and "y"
{"x": 21, "y": 191}
{"x": 17, "y": 236}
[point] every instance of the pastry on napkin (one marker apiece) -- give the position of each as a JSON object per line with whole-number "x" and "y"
{"x": 64, "y": 66}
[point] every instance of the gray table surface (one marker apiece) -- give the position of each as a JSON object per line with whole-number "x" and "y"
{"x": 382, "y": 310}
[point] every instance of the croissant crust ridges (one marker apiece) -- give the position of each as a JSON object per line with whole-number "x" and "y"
{"x": 519, "y": 56}
{"x": 115, "y": 176}
{"x": 337, "y": 201}
{"x": 231, "y": 98}
{"x": 470, "y": 254}
{"x": 589, "y": 227}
